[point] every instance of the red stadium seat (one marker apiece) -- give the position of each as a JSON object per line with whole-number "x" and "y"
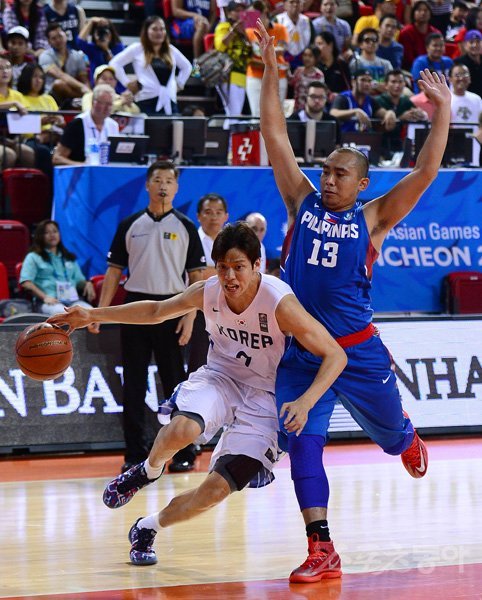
{"x": 27, "y": 195}
{"x": 119, "y": 296}
{"x": 14, "y": 244}
{"x": 4, "y": 290}
{"x": 208, "y": 42}
{"x": 365, "y": 10}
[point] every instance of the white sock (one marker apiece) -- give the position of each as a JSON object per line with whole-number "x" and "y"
{"x": 152, "y": 472}
{"x": 151, "y": 522}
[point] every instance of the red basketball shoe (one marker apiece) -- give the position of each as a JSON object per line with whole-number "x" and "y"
{"x": 322, "y": 563}
{"x": 415, "y": 457}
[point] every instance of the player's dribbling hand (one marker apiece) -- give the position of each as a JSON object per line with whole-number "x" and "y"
{"x": 435, "y": 88}
{"x": 266, "y": 44}
{"x": 296, "y": 415}
{"x": 75, "y": 317}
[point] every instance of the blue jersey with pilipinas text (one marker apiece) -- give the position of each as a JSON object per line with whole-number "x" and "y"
{"x": 328, "y": 263}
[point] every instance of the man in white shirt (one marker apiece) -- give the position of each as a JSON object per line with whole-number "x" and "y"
{"x": 96, "y": 124}
{"x": 300, "y": 31}
{"x": 466, "y": 106}
{"x": 258, "y": 224}
{"x": 212, "y": 214}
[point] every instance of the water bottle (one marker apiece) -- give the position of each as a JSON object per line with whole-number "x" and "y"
{"x": 93, "y": 152}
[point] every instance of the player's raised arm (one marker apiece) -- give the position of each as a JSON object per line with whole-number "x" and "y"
{"x": 292, "y": 183}
{"x": 136, "y": 313}
{"x": 386, "y": 211}
{"x": 311, "y": 334}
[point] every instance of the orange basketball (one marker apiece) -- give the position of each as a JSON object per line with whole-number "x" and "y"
{"x": 43, "y": 351}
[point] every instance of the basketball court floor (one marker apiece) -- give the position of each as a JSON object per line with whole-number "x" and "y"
{"x": 399, "y": 538}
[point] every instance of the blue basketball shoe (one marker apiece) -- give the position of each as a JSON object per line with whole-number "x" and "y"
{"x": 122, "y": 489}
{"x": 141, "y": 552}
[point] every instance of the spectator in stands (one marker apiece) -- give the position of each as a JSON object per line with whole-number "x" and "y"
{"x": 66, "y": 69}
{"x": 412, "y": 37}
{"x": 369, "y": 61}
{"x": 193, "y": 19}
{"x": 441, "y": 10}
{"x": 52, "y": 274}
{"x": 12, "y": 153}
{"x": 336, "y": 70}
{"x": 31, "y": 85}
{"x": 95, "y": 124}
{"x": 315, "y": 106}
{"x": 472, "y": 22}
{"x": 433, "y": 60}
{"x": 259, "y": 225}
{"x": 382, "y": 8}
{"x": 328, "y": 21}
{"x": 255, "y": 70}
{"x": 388, "y": 48}
{"x": 155, "y": 62}
{"x": 478, "y": 137}
{"x": 18, "y": 51}
{"x": 71, "y": 17}
{"x": 193, "y": 110}
{"x": 300, "y": 31}
{"x": 100, "y": 42}
{"x": 456, "y": 23}
{"x": 356, "y": 108}
{"x": 405, "y": 111}
{"x": 472, "y": 60}
{"x": 305, "y": 75}
{"x": 122, "y": 103}
{"x": 466, "y": 106}
{"x": 212, "y": 214}
{"x": 230, "y": 37}
{"x": 30, "y": 16}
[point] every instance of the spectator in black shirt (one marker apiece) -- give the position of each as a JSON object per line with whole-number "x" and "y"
{"x": 472, "y": 59}
{"x": 336, "y": 71}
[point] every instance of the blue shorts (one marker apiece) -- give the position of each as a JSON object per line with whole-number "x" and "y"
{"x": 367, "y": 388}
{"x": 182, "y": 29}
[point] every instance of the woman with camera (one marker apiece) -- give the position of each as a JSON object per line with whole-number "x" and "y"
{"x": 105, "y": 43}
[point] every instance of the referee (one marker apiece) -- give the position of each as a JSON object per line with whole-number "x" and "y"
{"x": 159, "y": 246}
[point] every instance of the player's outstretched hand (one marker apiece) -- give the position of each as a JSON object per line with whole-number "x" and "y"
{"x": 296, "y": 415}
{"x": 435, "y": 88}
{"x": 75, "y": 317}
{"x": 266, "y": 44}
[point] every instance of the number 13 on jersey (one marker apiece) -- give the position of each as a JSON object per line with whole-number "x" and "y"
{"x": 328, "y": 251}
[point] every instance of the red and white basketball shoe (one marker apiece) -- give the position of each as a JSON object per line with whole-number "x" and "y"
{"x": 415, "y": 457}
{"x": 323, "y": 562}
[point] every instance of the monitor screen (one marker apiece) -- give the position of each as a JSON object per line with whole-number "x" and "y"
{"x": 459, "y": 149}
{"x": 194, "y": 137}
{"x": 159, "y": 130}
{"x": 325, "y": 140}
{"x": 296, "y": 134}
{"x": 372, "y": 141}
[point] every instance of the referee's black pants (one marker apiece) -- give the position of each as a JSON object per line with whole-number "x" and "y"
{"x": 139, "y": 342}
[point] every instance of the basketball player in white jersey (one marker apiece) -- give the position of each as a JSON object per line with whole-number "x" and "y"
{"x": 247, "y": 317}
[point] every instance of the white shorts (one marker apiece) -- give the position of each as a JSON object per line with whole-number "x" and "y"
{"x": 247, "y": 414}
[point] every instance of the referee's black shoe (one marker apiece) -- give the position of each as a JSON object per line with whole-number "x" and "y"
{"x": 183, "y": 461}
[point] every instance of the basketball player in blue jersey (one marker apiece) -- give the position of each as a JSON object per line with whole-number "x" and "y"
{"x": 247, "y": 316}
{"x": 331, "y": 245}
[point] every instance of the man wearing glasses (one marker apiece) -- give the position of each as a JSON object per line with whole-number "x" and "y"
{"x": 368, "y": 60}
{"x": 315, "y": 105}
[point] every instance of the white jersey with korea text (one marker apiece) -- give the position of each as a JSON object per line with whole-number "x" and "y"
{"x": 246, "y": 347}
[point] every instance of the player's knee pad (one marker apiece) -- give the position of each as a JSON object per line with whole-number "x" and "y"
{"x": 238, "y": 470}
{"x": 307, "y": 470}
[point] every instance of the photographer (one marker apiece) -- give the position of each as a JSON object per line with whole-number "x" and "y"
{"x": 104, "y": 46}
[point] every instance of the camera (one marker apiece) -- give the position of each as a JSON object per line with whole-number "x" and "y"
{"x": 102, "y": 33}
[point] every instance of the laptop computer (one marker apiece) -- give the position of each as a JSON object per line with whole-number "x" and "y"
{"x": 128, "y": 148}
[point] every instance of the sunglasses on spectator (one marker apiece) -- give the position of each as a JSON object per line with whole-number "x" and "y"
{"x": 370, "y": 40}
